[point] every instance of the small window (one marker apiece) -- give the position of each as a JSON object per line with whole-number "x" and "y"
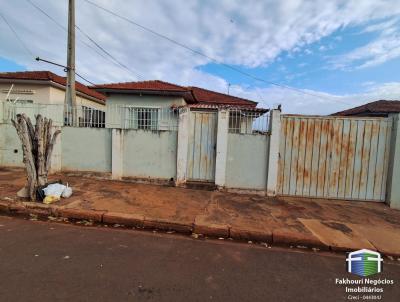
{"x": 234, "y": 122}
{"x": 143, "y": 118}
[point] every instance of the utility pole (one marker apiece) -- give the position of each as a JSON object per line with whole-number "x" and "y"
{"x": 70, "y": 94}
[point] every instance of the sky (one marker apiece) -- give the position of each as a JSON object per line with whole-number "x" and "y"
{"x": 312, "y": 57}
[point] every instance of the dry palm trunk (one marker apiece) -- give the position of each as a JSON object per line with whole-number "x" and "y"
{"x": 37, "y": 146}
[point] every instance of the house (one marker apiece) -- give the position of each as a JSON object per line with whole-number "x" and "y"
{"x": 38, "y": 91}
{"x": 378, "y": 108}
{"x": 150, "y": 105}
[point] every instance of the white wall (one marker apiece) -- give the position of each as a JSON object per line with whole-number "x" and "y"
{"x": 114, "y": 116}
{"x": 10, "y": 147}
{"x": 149, "y": 154}
{"x": 86, "y": 149}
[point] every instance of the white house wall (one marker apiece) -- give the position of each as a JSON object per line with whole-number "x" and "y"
{"x": 114, "y": 117}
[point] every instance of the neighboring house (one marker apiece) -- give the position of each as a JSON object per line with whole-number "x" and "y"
{"x": 32, "y": 91}
{"x": 151, "y": 104}
{"x": 378, "y": 108}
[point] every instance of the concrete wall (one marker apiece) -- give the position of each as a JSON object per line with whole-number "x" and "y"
{"x": 149, "y": 154}
{"x": 86, "y": 149}
{"x": 10, "y": 147}
{"x": 247, "y": 161}
{"x": 114, "y": 103}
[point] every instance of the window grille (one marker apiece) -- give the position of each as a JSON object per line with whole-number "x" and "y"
{"x": 248, "y": 122}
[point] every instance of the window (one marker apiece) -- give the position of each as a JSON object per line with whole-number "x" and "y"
{"x": 234, "y": 122}
{"x": 143, "y": 118}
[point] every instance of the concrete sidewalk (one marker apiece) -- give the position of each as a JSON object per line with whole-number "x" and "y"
{"x": 325, "y": 224}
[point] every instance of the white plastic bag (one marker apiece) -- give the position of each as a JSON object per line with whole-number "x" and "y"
{"x": 67, "y": 192}
{"x": 54, "y": 189}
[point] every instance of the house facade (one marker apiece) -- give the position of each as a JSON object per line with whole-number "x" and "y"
{"x": 34, "y": 92}
{"x": 154, "y": 105}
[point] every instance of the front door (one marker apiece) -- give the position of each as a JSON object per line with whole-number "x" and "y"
{"x": 202, "y": 146}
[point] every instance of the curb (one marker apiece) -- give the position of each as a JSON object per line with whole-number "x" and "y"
{"x": 282, "y": 236}
{"x": 290, "y": 238}
{"x": 242, "y": 234}
{"x": 165, "y": 225}
{"x": 130, "y": 220}
{"x": 95, "y": 216}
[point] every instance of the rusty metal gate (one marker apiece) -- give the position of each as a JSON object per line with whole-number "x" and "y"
{"x": 334, "y": 157}
{"x": 202, "y": 146}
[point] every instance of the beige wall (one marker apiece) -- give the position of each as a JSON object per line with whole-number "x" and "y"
{"x": 40, "y": 93}
{"x": 44, "y": 94}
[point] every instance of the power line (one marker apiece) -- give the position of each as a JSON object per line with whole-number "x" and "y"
{"x": 205, "y": 55}
{"x": 17, "y": 36}
{"x": 109, "y": 56}
{"x": 31, "y": 53}
{"x": 65, "y": 68}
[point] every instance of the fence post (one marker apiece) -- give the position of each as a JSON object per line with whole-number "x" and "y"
{"x": 392, "y": 187}
{"x": 183, "y": 144}
{"x": 1, "y": 112}
{"x": 273, "y": 153}
{"x": 117, "y": 153}
{"x": 56, "y": 156}
{"x": 222, "y": 147}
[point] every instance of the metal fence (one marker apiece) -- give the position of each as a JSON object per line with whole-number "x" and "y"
{"x": 83, "y": 116}
{"x": 10, "y": 111}
{"x": 248, "y": 122}
{"x": 144, "y": 118}
{"x": 77, "y": 116}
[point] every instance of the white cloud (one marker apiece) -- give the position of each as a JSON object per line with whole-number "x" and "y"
{"x": 250, "y": 33}
{"x": 380, "y": 50}
{"x": 247, "y": 33}
{"x": 297, "y": 103}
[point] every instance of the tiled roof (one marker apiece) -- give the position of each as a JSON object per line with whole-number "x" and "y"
{"x": 49, "y": 76}
{"x": 200, "y": 95}
{"x": 144, "y": 85}
{"x": 233, "y": 106}
{"x": 377, "y": 107}
{"x": 211, "y": 97}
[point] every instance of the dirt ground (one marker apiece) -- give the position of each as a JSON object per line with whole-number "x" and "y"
{"x": 356, "y": 224}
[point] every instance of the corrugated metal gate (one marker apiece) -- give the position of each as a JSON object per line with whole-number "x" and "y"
{"x": 202, "y": 146}
{"x": 334, "y": 157}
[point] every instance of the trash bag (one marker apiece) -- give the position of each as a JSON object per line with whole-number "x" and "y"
{"x": 50, "y": 199}
{"x": 54, "y": 190}
{"x": 67, "y": 192}
{"x": 40, "y": 194}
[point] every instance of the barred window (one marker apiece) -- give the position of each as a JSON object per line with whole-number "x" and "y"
{"x": 143, "y": 118}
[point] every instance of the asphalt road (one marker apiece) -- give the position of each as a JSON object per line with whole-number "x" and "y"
{"x": 43, "y": 261}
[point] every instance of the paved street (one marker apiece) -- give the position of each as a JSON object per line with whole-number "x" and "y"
{"x": 42, "y": 261}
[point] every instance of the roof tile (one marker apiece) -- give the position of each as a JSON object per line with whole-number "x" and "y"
{"x": 381, "y": 106}
{"x": 49, "y": 76}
